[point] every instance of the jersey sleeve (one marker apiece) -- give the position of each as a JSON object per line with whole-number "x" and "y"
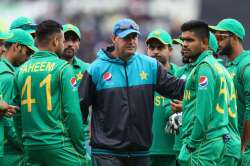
{"x": 246, "y": 83}
{"x": 168, "y": 85}
{"x": 88, "y": 91}
{"x": 7, "y": 83}
{"x": 71, "y": 109}
{"x": 204, "y": 87}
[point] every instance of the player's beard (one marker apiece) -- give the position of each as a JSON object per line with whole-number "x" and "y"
{"x": 68, "y": 53}
{"x": 227, "y": 50}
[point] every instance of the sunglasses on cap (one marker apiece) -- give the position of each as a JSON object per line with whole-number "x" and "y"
{"x": 27, "y": 26}
{"x": 124, "y": 27}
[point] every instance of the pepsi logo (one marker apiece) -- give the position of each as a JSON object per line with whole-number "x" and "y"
{"x": 107, "y": 76}
{"x": 73, "y": 82}
{"x": 203, "y": 81}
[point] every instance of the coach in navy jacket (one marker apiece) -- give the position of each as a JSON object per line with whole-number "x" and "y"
{"x": 120, "y": 86}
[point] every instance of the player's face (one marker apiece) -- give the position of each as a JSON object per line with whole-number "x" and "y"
{"x": 22, "y": 55}
{"x": 71, "y": 45}
{"x": 192, "y": 45}
{"x": 59, "y": 43}
{"x": 158, "y": 50}
{"x": 224, "y": 42}
{"x": 126, "y": 46}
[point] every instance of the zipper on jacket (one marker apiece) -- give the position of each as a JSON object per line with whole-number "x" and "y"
{"x": 127, "y": 89}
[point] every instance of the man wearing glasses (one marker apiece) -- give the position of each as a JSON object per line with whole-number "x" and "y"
{"x": 120, "y": 86}
{"x": 230, "y": 34}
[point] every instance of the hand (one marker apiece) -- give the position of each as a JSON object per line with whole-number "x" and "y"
{"x": 176, "y": 106}
{"x": 174, "y": 123}
{"x": 8, "y": 110}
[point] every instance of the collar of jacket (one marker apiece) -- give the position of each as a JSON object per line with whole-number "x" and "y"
{"x": 104, "y": 54}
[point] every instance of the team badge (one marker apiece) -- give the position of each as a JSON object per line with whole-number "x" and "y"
{"x": 73, "y": 82}
{"x": 107, "y": 76}
{"x": 203, "y": 81}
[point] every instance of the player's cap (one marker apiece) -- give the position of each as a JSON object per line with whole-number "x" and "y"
{"x": 24, "y": 23}
{"x": 5, "y": 35}
{"x": 177, "y": 41}
{"x": 231, "y": 25}
{"x": 213, "y": 44}
{"x": 124, "y": 27}
{"x": 160, "y": 35}
{"x": 73, "y": 28}
{"x": 22, "y": 37}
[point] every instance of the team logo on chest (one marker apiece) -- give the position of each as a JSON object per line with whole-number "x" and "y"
{"x": 107, "y": 76}
{"x": 203, "y": 81}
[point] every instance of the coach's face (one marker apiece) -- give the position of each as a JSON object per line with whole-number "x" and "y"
{"x": 192, "y": 46}
{"x": 126, "y": 46}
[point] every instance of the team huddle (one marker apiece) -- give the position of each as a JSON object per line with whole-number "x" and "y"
{"x": 125, "y": 108}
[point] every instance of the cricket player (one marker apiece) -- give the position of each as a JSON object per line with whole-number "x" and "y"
{"x": 45, "y": 90}
{"x": 230, "y": 34}
{"x": 159, "y": 46}
{"x": 18, "y": 49}
{"x": 205, "y": 102}
{"x": 72, "y": 37}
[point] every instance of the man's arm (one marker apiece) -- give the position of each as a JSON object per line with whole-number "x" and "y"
{"x": 71, "y": 109}
{"x": 168, "y": 85}
{"x": 246, "y": 124}
{"x": 87, "y": 94}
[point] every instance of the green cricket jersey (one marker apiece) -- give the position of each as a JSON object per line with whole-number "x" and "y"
{"x": 205, "y": 101}
{"x": 12, "y": 144}
{"x": 46, "y": 91}
{"x": 182, "y": 73}
{"x": 162, "y": 143}
{"x": 239, "y": 70}
{"x": 1, "y": 130}
{"x": 79, "y": 68}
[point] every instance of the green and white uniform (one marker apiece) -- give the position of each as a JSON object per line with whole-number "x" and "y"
{"x": 205, "y": 112}
{"x": 46, "y": 91}
{"x": 239, "y": 70}
{"x": 182, "y": 73}
{"x": 13, "y": 150}
{"x": 161, "y": 151}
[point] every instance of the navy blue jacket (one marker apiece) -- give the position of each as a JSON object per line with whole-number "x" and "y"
{"x": 122, "y": 95}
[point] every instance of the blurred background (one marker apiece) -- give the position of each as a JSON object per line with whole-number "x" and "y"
{"x": 95, "y": 18}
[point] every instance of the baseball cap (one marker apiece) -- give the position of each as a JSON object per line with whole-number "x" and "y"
{"x": 22, "y": 37}
{"x": 213, "y": 44}
{"x": 24, "y": 23}
{"x": 231, "y": 25}
{"x": 5, "y": 35}
{"x": 161, "y": 35}
{"x": 73, "y": 28}
{"x": 124, "y": 27}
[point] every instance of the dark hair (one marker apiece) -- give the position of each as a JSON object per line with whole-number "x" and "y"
{"x": 7, "y": 45}
{"x": 47, "y": 28}
{"x": 200, "y": 28}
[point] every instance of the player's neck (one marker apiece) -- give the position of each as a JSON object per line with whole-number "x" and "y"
{"x": 236, "y": 51}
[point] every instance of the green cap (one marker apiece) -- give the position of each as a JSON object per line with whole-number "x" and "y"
{"x": 231, "y": 25}
{"x": 24, "y": 23}
{"x": 161, "y": 35}
{"x": 177, "y": 41}
{"x": 73, "y": 28}
{"x": 213, "y": 44}
{"x": 5, "y": 35}
{"x": 22, "y": 37}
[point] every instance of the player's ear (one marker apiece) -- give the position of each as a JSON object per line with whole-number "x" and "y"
{"x": 113, "y": 38}
{"x": 204, "y": 43}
